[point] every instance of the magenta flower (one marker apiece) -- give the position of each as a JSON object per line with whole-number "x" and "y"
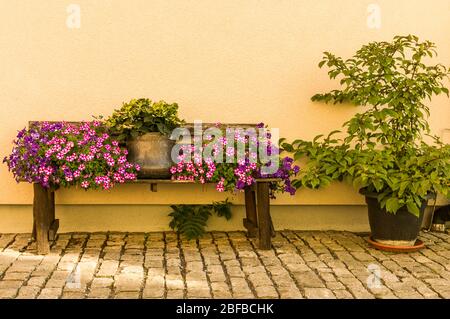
{"x": 238, "y": 174}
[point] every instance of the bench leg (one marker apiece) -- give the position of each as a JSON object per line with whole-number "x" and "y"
{"x": 33, "y": 233}
{"x": 45, "y": 225}
{"x": 264, "y": 220}
{"x": 251, "y": 220}
{"x": 53, "y": 222}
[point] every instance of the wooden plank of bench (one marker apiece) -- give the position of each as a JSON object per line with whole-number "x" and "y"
{"x": 170, "y": 181}
{"x": 154, "y": 182}
{"x": 53, "y": 230}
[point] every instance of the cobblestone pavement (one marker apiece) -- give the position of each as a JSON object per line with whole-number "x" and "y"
{"x": 221, "y": 265}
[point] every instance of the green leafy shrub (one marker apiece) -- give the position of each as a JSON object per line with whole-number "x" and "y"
{"x": 191, "y": 220}
{"x": 140, "y": 116}
{"x": 383, "y": 151}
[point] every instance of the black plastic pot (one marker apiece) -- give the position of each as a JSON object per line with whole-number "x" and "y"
{"x": 399, "y": 229}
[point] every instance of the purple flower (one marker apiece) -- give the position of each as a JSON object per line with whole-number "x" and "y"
{"x": 240, "y": 184}
{"x": 21, "y": 133}
{"x": 40, "y": 156}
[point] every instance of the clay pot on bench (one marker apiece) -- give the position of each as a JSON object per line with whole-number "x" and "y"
{"x": 152, "y": 151}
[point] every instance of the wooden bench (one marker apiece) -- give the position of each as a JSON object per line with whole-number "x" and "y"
{"x": 258, "y": 221}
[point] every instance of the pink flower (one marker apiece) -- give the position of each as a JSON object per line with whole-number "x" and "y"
{"x": 220, "y": 185}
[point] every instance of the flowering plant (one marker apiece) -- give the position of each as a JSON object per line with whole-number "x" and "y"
{"x": 65, "y": 154}
{"x": 238, "y": 173}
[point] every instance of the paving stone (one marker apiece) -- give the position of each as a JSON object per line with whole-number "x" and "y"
{"x": 427, "y": 293}
{"x": 408, "y": 294}
{"x": 175, "y": 294}
{"x": 37, "y": 281}
{"x": 50, "y": 293}
{"x": 22, "y": 276}
{"x": 99, "y": 293}
{"x": 266, "y": 292}
{"x": 22, "y": 267}
{"x": 343, "y": 294}
{"x": 334, "y": 285}
{"x": 243, "y": 294}
{"x": 319, "y": 293}
{"x": 7, "y": 293}
{"x": 108, "y": 268}
{"x": 14, "y": 284}
{"x": 128, "y": 282}
{"x": 55, "y": 283}
{"x": 260, "y": 280}
{"x": 290, "y": 293}
{"x": 73, "y": 295}
{"x": 102, "y": 282}
{"x": 200, "y": 292}
{"x": 150, "y": 293}
{"x": 363, "y": 256}
{"x": 308, "y": 279}
{"x": 217, "y": 276}
{"x": 28, "y": 292}
{"x": 127, "y": 295}
{"x": 444, "y": 293}
{"x": 221, "y": 290}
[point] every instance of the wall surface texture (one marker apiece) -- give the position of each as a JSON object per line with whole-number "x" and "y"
{"x": 229, "y": 61}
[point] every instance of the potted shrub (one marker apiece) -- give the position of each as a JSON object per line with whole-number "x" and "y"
{"x": 62, "y": 155}
{"x": 383, "y": 151}
{"x": 145, "y": 126}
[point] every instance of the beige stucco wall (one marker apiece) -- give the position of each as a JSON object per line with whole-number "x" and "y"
{"x": 229, "y": 61}
{"x": 146, "y": 218}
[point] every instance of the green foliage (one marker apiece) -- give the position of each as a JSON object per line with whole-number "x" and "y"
{"x": 140, "y": 116}
{"x": 222, "y": 209}
{"x": 383, "y": 150}
{"x": 191, "y": 220}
